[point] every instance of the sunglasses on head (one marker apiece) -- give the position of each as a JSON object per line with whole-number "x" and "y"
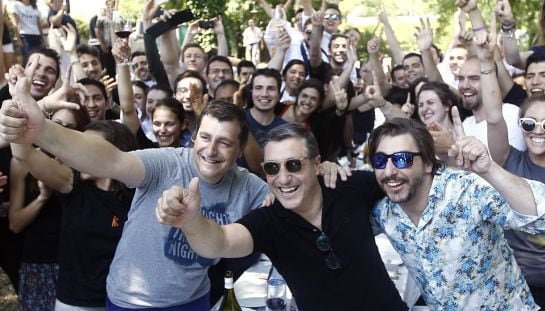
{"x": 529, "y": 125}
{"x": 272, "y": 168}
{"x": 332, "y": 16}
{"x": 400, "y": 160}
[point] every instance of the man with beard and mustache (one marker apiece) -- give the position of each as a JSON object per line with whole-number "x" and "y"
{"x": 470, "y": 90}
{"x": 447, "y": 225}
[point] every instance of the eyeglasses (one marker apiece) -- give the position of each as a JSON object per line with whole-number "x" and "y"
{"x": 272, "y": 168}
{"x": 332, "y": 16}
{"x": 216, "y": 71}
{"x": 528, "y": 125}
{"x": 323, "y": 244}
{"x": 400, "y": 160}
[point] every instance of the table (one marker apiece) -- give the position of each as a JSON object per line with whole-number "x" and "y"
{"x": 251, "y": 287}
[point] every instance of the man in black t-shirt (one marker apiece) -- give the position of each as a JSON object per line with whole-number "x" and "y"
{"x": 319, "y": 239}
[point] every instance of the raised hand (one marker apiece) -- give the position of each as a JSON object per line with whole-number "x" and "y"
{"x": 469, "y": 152}
{"x": 109, "y": 83}
{"x": 442, "y": 138}
{"x": 197, "y": 99}
{"x": 424, "y": 35}
{"x": 466, "y": 5}
{"x": 408, "y": 107}
{"x": 69, "y": 41}
{"x": 505, "y": 13}
{"x": 121, "y": 50}
{"x": 21, "y": 119}
{"x": 218, "y": 25}
{"x": 177, "y": 205}
{"x": 341, "y": 100}
{"x": 283, "y": 39}
{"x": 374, "y": 93}
{"x": 486, "y": 44}
{"x": 58, "y": 99}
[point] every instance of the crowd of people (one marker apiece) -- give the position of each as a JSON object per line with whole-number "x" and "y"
{"x": 136, "y": 171}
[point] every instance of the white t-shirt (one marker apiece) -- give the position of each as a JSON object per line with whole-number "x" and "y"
{"x": 511, "y": 116}
{"x": 29, "y": 18}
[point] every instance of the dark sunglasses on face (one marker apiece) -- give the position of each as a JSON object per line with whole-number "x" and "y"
{"x": 272, "y": 168}
{"x": 333, "y": 17}
{"x": 529, "y": 125}
{"x": 323, "y": 244}
{"x": 400, "y": 160}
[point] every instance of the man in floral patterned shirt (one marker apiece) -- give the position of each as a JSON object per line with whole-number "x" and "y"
{"x": 448, "y": 225}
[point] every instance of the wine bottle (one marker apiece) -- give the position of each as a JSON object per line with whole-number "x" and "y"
{"x": 229, "y": 302}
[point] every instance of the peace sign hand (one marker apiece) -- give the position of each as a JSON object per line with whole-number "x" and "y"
{"x": 469, "y": 152}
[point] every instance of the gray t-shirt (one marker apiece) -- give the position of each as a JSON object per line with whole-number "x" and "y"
{"x": 529, "y": 249}
{"x": 153, "y": 265}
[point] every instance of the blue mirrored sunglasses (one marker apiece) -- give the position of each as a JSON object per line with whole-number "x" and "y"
{"x": 403, "y": 159}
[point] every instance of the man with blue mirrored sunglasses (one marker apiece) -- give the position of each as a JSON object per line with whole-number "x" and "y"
{"x": 448, "y": 225}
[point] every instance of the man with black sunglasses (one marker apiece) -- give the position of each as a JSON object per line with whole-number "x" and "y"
{"x": 448, "y": 225}
{"x": 319, "y": 239}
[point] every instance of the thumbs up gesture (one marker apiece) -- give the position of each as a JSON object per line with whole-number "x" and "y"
{"x": 178, "y": 206}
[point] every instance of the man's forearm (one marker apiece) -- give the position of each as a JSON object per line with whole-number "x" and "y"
{"x": 205, "y": 237}
{"x": 514, "y": 189}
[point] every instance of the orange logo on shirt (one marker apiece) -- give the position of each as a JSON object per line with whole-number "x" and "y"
{"x": 115, "y": 222}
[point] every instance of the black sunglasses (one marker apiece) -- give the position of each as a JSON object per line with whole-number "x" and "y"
{"x": 331, "y": 261}
{"x": 272, "y": 168}
{"x": 400, "y": 160}
{"x": 529, "y": 124}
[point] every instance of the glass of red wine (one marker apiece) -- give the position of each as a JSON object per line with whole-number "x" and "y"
{"x": 276, "y": 295}
{"x": 123, "y": 29}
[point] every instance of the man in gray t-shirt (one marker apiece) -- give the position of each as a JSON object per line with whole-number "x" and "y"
{"x": 154, "y": 265}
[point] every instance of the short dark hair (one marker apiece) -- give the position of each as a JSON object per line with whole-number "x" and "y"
{"x": 293, "y": 130}
{"x": 87, "y": 49}
{"x": 173, "y": 105}
{"x": 534, "y": 58}
{"x": 219, "y": 58}
{"x": 244, "y": 63}
{"x": 191, "y": 74}
{"x": 137, "y": 53}
{"x": 100, "y": 85}
{"x": 335, "y": 7}
{"x": 336, "y": 36}
{"x": 419, "y": 132}
{"x": 141, "y": 85}
{"x": 270, "y": 73}
{"x": 412, "y": 54}
{"x": 224, "y": 111}
{"x": 293, "y": 62}
{"x": 47, "y": 52}
{"x": 228, "y": 82}
{"x": 312, "y": 83}
{"x": 394, "y": 69}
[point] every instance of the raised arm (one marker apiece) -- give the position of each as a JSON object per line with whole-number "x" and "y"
{"x": 223, "y": 48}
{"x": 282, "y": 43}
{"x": 498, "y": 142}
{"x": 508, "y": 27}
{"x": 316, "y": 39}
{"x": 181, "y": 208}
{"x": 424, "y": 38}
{"x": 473, "y": 154}
{"x": 373, "y": 48}
{"x": 393, "y": 43}
{"x": 22, "y": 121}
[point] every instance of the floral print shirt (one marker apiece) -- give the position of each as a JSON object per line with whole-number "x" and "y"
{"x": 457, "y": 253}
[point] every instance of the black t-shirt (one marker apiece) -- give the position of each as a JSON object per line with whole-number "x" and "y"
{"x": 41, "y": 237}
{"x": 362, "y": 282}
{"x": 92, "y": 223}
{"x": 516, "y": 95}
